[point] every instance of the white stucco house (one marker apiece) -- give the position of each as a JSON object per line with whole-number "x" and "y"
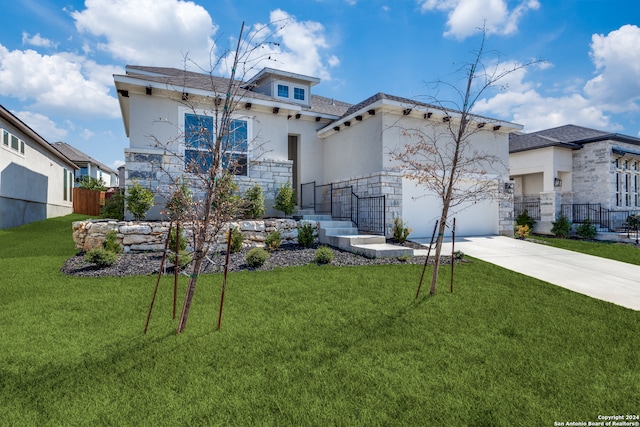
{"x": 36, "y": 180}
{"x": 88, "y": 166}
{"x": 336, "y": 154}
{"x": 579, "y": 172}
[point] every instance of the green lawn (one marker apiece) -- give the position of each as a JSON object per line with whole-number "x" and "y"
{"x": 306, "y": 346}
{"x": 628, "y": 253}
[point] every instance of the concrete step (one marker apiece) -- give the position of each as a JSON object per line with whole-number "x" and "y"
{"x": 381, "y": 250}
{"x": 316, "y": 217}
{"x": 335, "y": 224}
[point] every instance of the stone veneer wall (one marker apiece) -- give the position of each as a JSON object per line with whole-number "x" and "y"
{"x": 157, "y": 171}
{"x": 506, "y": 221}
{"x": 384, "y": 183}
{"x": 151, "y": 235}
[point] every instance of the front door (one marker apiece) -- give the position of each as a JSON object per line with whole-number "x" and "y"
{"x": 293, "y": 155}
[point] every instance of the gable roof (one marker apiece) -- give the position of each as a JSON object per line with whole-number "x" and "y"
{"x": 177, "y": 79}
{"x": 7, "y": 116}
{"x": 78, "y": 156}
{"x": 568, "y": 136}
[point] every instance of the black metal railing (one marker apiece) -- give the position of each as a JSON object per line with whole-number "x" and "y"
{"x": 308, "y": 195}
{"x": 368, "y": 213}
{"x": 532, "y": 208}
{"x": 602, "y": 218}
{"x": 341, "y": 206}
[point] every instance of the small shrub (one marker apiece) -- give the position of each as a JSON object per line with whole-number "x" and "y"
{"x": 237, "y": 238}
{"x": 324, "y": 255}
{"x": 101, "y": 257}
{"x": 459, "y": 255}
{"x": 561, "y": 227}
{"x": 226, "y": 201}
{"x": 400, "y": 230}
{"x": 306, "y": 235}
{"x": 525, "y": 219}
{"x": 110, "y": 244}
{"x": 586, "y": 230}
{"x": 522, "y": 231}
{"x": 90, "y": 183}
{"x": 273, "y": 240}
{"x": 139, "y": 200}
{"x": 180, "y": 201}
{"x": 184, "y": 257}
{"x": 404, "y": 258}
{"x": 254, "y": 202}
{"x": 285, "y": 199}
{"x": 256, "y": 257}
{"x": 113, "y": 207}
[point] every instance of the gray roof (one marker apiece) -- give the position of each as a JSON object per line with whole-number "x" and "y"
{"x": 33, "y": 135}
{"x": 208, "y": 82}
{"x": 569, "y": 136}
{"x": 78, "y": 156}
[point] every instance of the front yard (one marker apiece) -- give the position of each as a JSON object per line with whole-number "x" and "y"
{"x": 304, "y": 346}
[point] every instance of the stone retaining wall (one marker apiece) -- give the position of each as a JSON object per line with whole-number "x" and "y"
{"x": 151, "y": 235}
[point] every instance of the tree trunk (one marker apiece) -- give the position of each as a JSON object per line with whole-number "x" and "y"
{"x": 186, "y": 306}
{"x": 436, "y": 262}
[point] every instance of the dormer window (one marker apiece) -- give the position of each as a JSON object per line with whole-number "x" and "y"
{"x": 283, "y": 91}
{"x": 298, "y": 93}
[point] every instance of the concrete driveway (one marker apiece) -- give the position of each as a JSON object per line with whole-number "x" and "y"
{"x": 600, "y": 278}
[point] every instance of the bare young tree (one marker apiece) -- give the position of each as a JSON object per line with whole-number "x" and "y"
{"x": 212, "y": 137}
{"x": 443, "y": 158}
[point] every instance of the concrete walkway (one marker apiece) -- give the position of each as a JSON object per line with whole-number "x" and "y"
{"x": 600, "y": 278}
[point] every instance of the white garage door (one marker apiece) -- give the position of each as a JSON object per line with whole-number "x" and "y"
{"x": 421, "y": 211}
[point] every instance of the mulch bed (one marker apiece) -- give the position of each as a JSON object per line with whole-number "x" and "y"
{"x": 138, "y": 263}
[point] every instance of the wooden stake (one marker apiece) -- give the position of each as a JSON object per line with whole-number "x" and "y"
{"x": 155, "y": 291}
{"x": 224, "y": 277}
{"x": 453, "y": 251}
{"x": 426, "y": 261}
{"x": 176, "y": 267}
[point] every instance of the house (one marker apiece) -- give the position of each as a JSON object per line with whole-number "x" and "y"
{"x": 336, "y": 155}
{"x": 576, "y": 171}
{"x": 36, "y": 180}
{"x": 88, "y": 166}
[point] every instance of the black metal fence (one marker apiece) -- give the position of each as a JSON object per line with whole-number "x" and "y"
{"x": 602, "y": 218}
{"x": 532, "y": 208}
{"x": 368, "y": 213}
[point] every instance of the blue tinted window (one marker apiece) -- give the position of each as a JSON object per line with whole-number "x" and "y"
{"x": 283, "y": 91}
{"x": 298, "y": 93}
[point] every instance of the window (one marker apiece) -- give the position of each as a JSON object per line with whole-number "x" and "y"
{"x": 298, "y": 93}
{"x": 10, "y": 140}
{"x": 199, "y": 145}
{"x": 283, "y": 91}
{"x": 64, "y": 184}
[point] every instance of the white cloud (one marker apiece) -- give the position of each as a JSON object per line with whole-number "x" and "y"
{"x": 150, "y": 32}
{"x": 291, "y": 45}
{"x": 465, "y": 17}
{"x": 42, "y": 125}
{"x": 617, "y": 60}
{"x": 536, "y": 112}
{"x": 37, "y": 40}
{"x": 63, "y": 83}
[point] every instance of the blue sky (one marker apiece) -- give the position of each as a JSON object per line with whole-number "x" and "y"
{"x": 57, "y": 59}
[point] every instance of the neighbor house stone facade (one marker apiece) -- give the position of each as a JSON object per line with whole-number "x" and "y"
{"x": 572, "y": 165}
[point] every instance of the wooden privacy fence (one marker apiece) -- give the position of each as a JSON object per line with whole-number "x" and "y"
{"x": 88, "y": 202}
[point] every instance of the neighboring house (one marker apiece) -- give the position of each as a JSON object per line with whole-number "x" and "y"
{"x": 579, "y": 172}
{"x": 326, "y": 148}
{"x": 36, "y": 180}
{"x": 88, "y": 166}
